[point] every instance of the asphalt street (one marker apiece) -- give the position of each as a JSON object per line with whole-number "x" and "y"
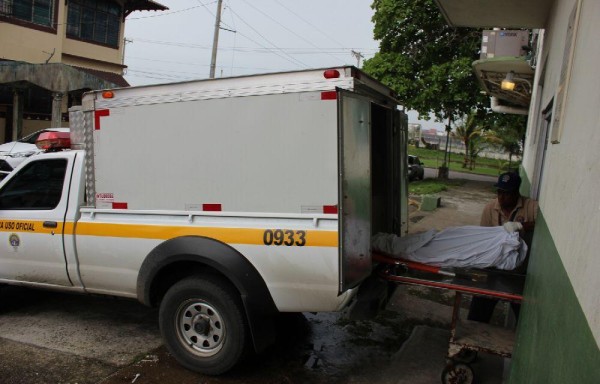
{"x": 433, "y": 173}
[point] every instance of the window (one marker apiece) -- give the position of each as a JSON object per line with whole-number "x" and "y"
{"x": 94, "y": 20}
{"x": 5, "y": 7}
{"x": 37, "y": 186}
{"x": 40, "y": 12}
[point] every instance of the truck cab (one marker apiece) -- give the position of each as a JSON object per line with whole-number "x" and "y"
{"x": 36, "y": 203}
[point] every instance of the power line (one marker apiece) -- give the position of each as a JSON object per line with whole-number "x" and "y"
{"x": 205, "y": 7}
{"x": 292, "y": 50}
{"x": 160, "y": 75}
{"x": 211, "y": 13}
{"x": 171, "y": 74}
{"x": 309, "y": 23}
{"x": 193, "y": 63}
{"x": 291, "y": 59}
{"x": 234, "y": 40}
{"x": 155, "y": 75}
{"x": 286, "y": 28}
{"x": 170, "y": 43}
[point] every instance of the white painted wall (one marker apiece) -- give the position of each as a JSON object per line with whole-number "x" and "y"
{"x": 570, "y": 190}
{"x": 25, "y": 44}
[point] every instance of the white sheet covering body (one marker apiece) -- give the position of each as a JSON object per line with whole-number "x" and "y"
{"x": 465, "y": 247}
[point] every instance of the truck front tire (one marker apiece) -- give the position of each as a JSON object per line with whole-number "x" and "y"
{"x": 203, "y": 324}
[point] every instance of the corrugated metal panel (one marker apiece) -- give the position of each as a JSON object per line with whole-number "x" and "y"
{"x": 82, "y": 131}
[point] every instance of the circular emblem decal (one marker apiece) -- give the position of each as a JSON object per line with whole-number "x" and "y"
{"x": 14, "y": 240}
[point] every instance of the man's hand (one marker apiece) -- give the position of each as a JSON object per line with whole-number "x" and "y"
{"x": 512, "y": 226}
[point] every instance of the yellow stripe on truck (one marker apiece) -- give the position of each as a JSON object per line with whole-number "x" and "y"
{"x": 27, "y": 226}
{"x": 251, "y": 236}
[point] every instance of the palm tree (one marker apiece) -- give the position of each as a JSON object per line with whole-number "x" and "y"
{"x": 478, "y": 130}
{"x": 469, "y": 133}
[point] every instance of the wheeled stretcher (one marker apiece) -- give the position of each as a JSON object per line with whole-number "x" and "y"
{"x": 465, "y": 336}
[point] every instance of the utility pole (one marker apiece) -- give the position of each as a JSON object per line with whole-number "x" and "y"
{"x": 213, "y": 60}
{"x": 125, "y": 42}
{"x": 358, "y": 56}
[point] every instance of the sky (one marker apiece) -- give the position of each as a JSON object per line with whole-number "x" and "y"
{"x": 256, "y": 36}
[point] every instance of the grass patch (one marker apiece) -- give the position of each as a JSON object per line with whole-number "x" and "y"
{"x": 431, "y": 186}
{"x": 483, "y": 165}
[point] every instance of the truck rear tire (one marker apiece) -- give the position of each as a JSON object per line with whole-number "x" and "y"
{"x": 203, "y": 324}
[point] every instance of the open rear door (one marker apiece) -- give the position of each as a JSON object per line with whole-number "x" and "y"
{"x": 401, "y": 149}
{"x": 354, "y": 120}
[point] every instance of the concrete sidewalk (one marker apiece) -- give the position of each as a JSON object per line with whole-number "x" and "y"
{"x": 422, "y": 359}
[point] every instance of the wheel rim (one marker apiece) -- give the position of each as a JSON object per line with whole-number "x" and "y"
{"x": 458, "y": 374}
{"x": 200, "y": 327}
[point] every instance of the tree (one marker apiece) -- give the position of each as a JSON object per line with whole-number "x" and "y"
{"x": 510, "y": 129}
{"x": 425, "y": 61}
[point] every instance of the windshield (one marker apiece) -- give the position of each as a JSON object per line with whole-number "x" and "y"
{"x": 31, "y": 139}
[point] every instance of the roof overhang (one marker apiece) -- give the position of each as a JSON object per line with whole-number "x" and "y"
{"x": 142, "y": 5}
{"x": 491, "y": 72}
{"x": 496, "y": 13}
{"x": 55, "y": 77}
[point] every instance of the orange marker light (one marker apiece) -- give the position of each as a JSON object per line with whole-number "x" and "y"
{"x": 108, "y": 94}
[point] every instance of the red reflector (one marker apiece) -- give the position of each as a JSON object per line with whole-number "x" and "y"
{"x": 331, "y": 74}
{"x": 211, "y": 207}
{"x": 53, "y": 141}
{"x": 119, "y": 205}
{"x": 98, "y": 114}
{"x": 329, "y": 95}
{"x": 330, "y": 209}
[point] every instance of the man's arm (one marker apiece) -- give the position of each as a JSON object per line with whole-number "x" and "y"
{"x": 487, "y": 216}
{"x": 531, "y": 214}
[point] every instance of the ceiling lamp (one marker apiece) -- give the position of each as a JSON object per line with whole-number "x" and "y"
{"x": 508, "y": 84}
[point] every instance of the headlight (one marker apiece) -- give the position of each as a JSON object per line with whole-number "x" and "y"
{"x": 22, "y": 154}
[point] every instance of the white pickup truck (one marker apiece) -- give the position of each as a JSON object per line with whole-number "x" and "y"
{"x": 223, "y": 202}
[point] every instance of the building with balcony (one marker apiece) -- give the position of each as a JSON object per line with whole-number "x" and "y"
{"x": 52, "y": 51}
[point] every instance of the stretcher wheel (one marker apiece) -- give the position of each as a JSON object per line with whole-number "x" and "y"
{"x": 466, "y": 356}
{"x": 458, "y": 373}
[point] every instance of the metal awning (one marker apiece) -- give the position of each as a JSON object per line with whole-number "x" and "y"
{"x": 496, "y": 13}
{"x": 491, "y": 72}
